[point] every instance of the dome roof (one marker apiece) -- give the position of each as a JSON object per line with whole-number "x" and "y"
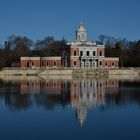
{"x": 81, "y": 28}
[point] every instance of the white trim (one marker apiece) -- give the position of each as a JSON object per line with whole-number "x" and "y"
{"x": 51, "y": 58}
{"x": 30, "y": 58}
{"x": 100, "y": 46}
{"x": 111, "y": 59}
{"x": 74, "y": 57}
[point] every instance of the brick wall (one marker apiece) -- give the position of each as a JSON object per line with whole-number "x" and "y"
{"x": 72, "y": 62}
{"x": 50, "y": 63}
{"x": 72, "y": 51}
{"x": 29, "y": 63}
{"x": 110, "y": 63}
{"x": 102, "y": 50}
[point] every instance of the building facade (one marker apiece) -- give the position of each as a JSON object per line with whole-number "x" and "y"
{"x": 50, "y": 62}
{"x": 36, "y": 62}
{"x": 88, "y": 54}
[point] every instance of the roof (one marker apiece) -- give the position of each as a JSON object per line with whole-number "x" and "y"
{"x": 81, "y": 28}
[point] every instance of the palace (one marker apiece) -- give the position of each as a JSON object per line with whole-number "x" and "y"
{"x": 88, "y": 54}
{"x": 81, "y": 54}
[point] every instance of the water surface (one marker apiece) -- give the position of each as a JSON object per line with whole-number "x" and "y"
{"x": 37, "y": 108}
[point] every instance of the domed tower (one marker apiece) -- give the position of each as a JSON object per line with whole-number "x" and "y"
{"x": 81, "y": 33}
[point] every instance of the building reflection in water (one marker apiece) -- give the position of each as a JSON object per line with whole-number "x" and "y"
{"x": 82, "y": 95}
{"x": 86, "y": 94}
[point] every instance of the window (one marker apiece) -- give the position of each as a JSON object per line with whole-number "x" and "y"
{"x": 54, "y": 63}
{"x": 93, "y": 64}
{"x": 54, "y": 84}
{"x": 28, "y": 64}
{"x": 94, "y": 53}
{"x": 33, "y": 84}
{"x": 33, "y": 63}
{"x": 47, "y": 64}
{"x": 100, "y": 53}
{"x": 74, "y": 53}
{"x": 100, "y": 63}
{"x": 90, "y": 84}
{"x": 81, "y": 53}
{"x": 106, "y": 64}
{"x": 83, "y": 36}
{"x": 74, "y": 63}
{"x": 47, "y": 84}
{"x": 88, "y": 95}
{"x": 87, "y": 53}
{"x": 112, "y": 63}
{"x": 28, "y": 84}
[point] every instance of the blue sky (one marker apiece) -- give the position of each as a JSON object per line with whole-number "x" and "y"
{"x": 37, "y": 19}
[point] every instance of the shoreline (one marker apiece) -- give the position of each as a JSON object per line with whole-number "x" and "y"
{"x": 67, "y": 78}
{"x": 64, "y": 72}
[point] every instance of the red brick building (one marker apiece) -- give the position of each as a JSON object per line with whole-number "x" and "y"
{"x": 88, "y": 54}
{"x": 30, "y": 62}
{"x": 36, "y": 62}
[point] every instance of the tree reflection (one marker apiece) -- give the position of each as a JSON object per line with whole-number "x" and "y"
{"x": 10, "y": 93}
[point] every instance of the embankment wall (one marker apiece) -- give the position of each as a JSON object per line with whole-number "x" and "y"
{"x": 75, "y": 72}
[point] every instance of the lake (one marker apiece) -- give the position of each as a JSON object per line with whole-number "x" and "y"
{"x": 78, "y": 108}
